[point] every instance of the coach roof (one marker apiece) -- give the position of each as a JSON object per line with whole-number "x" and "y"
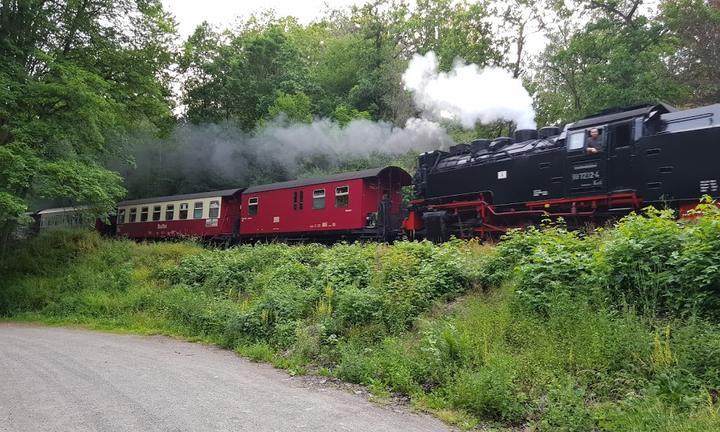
{"x": 403, "y": 177}
{"x": 192, "y": 196}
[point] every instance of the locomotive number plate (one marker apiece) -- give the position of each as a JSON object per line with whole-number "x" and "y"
{"x": 587, "y": 175}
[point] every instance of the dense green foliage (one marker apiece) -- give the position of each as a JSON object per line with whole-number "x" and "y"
{"x": 75, "y": 79}
{"x": 611, "y": 331}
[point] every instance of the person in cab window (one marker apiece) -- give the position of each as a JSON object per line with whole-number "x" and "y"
{"x": 594, "y": 142}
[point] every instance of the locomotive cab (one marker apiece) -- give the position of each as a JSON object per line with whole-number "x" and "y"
{"x": 616, "y": 167}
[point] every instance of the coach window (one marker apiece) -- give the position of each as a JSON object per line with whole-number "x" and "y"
{"x": 170, "y": 212}
{"x": 253, "y": 206}
{"x": 157, "y": 211}
{"x": 319, "y": 199}
{"x": 121, "y": 217}
{"x": 198, "y": 210}
{"x": 143, "y": 214}
{"x": 214, "y": 210}
{"x": 183, "y": 211}
{"x": 342, "y": 196}
{"x": 576, "y": 140}
{"x": 133, "y": 214}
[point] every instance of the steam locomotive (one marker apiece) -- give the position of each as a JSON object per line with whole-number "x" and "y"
{"x": 644, "y": 155}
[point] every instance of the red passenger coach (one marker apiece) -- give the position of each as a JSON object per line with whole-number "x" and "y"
{"x": 208, "y": 215}
{"x": 361, "y": 204}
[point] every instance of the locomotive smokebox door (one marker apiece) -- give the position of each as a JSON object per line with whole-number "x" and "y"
{"x": 436, "y": 229}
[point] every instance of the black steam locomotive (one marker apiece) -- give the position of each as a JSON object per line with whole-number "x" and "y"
{"x": 643, "y": 155}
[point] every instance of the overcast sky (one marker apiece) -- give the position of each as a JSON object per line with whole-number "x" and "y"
{"x": 190, "y": 13}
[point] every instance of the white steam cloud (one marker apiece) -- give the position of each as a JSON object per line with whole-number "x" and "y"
{"x": 467, "y": 93}
{"x": 359, "y": 138}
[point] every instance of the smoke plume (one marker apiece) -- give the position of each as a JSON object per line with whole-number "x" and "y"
{"x": 359, "y": 138}
{"x": 215, "y": 156}
{"x": 468, "y": 94}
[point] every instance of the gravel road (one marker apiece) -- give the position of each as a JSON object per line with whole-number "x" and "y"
{"x": 58, "y": 379}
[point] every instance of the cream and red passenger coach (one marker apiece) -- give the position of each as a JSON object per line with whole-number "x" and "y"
{"x": 206, "y": 214}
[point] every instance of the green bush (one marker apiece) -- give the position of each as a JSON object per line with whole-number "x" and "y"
{"x": 558, "y": 265}
{"x": 489, "y": 392}
{"x": 566, "y": 409}
{"x": 346, "y": 265}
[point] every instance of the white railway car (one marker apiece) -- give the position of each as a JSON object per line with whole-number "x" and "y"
{"x": 65, "y": 217}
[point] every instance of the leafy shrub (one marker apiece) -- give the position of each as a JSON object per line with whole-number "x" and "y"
{"x": 357, "y": 307}
{"x": 559, "y": 264}
{"x": 566, "y": 409}
{"x": 634, "y": 261}
{"x": 51, "y": 250}
{"x": 489, "y": 392}
{"x": 347, "y": 265}
{"x": 696, "y": 266}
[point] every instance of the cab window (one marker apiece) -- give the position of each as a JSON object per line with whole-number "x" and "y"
{"x": 253, "y": 205}
{"x": 576, "y": 140}
{"x": 342, "y": 196}
{"x": 319, "y": 199}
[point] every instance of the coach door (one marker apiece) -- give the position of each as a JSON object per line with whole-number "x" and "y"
{"x": 622, "y": 166}
{"x": 585, "y": 172}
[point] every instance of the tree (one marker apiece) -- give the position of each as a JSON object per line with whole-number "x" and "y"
{"x": 240, "y": 78}
{"x": 378, "y": 23}
{"x": 75, "y": 78}
{"x": 615, "y": 60}
{"x": 695, "y": 24}
{"x": 343, "y": 115}
{"x": 292, "y": 108}
{"x": 451, "y": 29}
